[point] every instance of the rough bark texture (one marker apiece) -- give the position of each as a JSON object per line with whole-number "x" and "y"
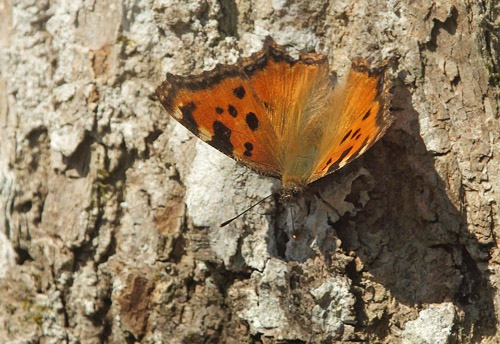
{"x": 109, "y": 209}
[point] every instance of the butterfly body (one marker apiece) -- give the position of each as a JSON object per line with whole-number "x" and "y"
{"x": 283, "y": 117}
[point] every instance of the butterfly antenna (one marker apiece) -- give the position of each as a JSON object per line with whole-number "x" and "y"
{"x": 243, "y": 212}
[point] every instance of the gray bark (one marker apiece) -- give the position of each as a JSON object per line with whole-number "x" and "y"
{"x": 110, "y": 209}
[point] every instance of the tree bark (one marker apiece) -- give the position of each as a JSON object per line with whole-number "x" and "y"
{"x": 110, "y": 209}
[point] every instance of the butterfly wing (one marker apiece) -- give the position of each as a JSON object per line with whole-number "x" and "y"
{"x": 280, "y": 116}
{"x": 221, "y": 108}
{"x": 293, "y": 91}
{"x": 364, "y": 117}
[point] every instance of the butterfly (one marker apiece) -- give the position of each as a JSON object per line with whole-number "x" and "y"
{"x": 284, "y": 117}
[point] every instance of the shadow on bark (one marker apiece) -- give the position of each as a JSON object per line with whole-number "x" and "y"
{"x": 410, "y": 236}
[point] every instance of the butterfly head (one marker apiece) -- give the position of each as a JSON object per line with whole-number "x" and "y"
{"x": 290, "y": 191}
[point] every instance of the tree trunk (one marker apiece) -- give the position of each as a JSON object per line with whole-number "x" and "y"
{"x": 110, "y": 209}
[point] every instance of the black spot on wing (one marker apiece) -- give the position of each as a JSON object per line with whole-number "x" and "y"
{"x": 232, "y": 111}
{"x": 221, "y": 139}
{"x": 239, "y": 92}
{"x": 252, "y": 121}
{"x": 355, "y": 133}
{"x": 367, "y": 114}
{"x": 346, "y": 136}
{"x": 219, "y": 110}
{"x": 335, "y": 165}
{"x": 187, "y": 117}
{"x": 249, "y": 149}
{"x": 327, "y": 164}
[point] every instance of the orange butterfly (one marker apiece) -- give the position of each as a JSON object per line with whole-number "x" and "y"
{"x": 283, "y": 117}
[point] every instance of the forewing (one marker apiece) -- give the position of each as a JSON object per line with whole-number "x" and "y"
{"x": 294, "y": 92}
{"x": 221, "y": 108}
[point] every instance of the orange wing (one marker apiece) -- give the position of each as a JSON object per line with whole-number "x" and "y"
{"x": 296, "y": 92}
{"x": 248, "y": 111}
{"x": 280, "y": 116}
{"x": 364, "y": 116}
{"x": 285, "y": 84}
{"x": 221, "y": 108}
